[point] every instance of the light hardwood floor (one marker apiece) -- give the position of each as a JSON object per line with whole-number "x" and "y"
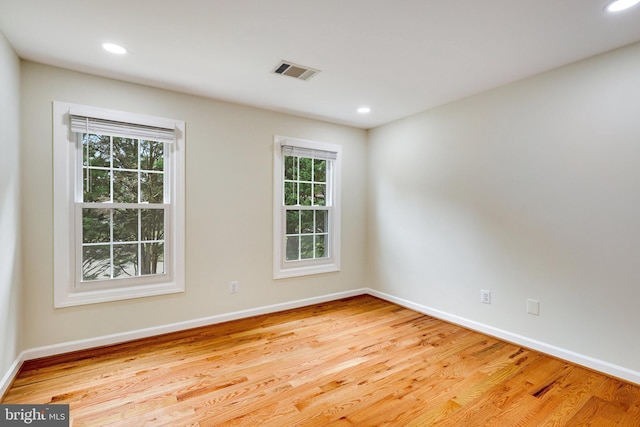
{"x": 355, "y": 362}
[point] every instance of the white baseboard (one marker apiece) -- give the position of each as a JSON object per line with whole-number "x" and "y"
{"x": 11, "y": 374}
{"x": 55, "y": 349}
{"x": 561, "y": 353}
{"x": 579, "y": 359}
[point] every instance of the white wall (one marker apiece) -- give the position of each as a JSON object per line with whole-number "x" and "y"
{"x": 10, "y": 290}
{"x": 531, "y": 190}
{"x": 229, "y": 184}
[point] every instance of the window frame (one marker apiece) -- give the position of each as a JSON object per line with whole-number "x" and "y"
{"x": 67, "y": 198}
{"x": 281, "y": 267}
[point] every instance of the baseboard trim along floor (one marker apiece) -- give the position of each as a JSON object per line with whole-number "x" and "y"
{"x": 568, "y": 355}
{"x": 561, "y": 353}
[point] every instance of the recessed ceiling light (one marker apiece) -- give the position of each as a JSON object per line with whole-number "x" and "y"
{"x": 365, "y": 110}
{"x": 618, "y": 5}
{"x": 114, "y": 48}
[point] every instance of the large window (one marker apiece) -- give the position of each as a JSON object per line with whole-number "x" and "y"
{"x": 118, "y": 205}
{"x": 306, "y": 207}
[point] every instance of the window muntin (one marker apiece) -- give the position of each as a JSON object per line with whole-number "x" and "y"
{"x": 306, "y": 211}
{"x": 306, "y": 234}
{"x": 118, "y": 205}
{"x": 120, "y": 239}
{"x": 307, "y": 220}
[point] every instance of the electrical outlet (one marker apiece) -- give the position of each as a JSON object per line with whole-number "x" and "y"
{"x": 234, "y": 287}
{"x": 485, "y": 296}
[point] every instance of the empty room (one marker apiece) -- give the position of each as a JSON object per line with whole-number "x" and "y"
{"x": 295, "y": 213}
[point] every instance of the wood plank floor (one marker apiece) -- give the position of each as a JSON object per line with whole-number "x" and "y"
{"x": 355, "y": 362}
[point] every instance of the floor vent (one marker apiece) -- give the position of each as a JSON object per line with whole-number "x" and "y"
{"x": 299, "y": 72}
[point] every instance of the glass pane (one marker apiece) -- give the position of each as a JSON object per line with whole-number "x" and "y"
{"x": 290, "y": 168}
{"x": 306, "y": 223}
{"x": 320, "y": 246}
{"x": 96, "y": 262}
{"x": 320, "y": 170}
{"x": 125, "y": 153}
{"x": 293, "y": 222}
{"x": 290, "y": 193}
{"x": 152, "y": 155}
{"x": 321, "y": 221}
{"x": 152, "y": 224}
{"x": 125, "y": 260}
{"x": 306, "y": 247}
{"x": 292, "y": 243}
{"x": 305, "y": 194}
{"x": 305, "y": 168}
{"x": 96, "y": 185}
{"x": 125, "y": 225}
{"x": 95, "y": 150}
{"x": 319, "y": 194}
{"x": 152, "y": 261}
{"x": 151, "y": 187}
{"x": 125, "y": 187}
{"x": 95, "y": 226}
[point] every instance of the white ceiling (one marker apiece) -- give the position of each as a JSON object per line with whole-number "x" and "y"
{"x": 397, "y": 56}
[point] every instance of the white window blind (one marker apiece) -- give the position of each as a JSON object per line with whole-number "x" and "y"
{"x": 114, "y": 128}
{"x": 310, "y": 153}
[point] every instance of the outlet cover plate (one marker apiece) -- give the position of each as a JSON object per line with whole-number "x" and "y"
{"x": 233, "y": 287}
{"x": 533, "y": 307}
{"x": 485, "y": 296}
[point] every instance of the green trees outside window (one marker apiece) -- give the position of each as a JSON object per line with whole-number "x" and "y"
{"x": 123, "y": 211}
{"x": 305, "y": 191}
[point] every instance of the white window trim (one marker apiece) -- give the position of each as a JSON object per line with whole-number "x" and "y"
{"x": 65, "y": 171}
{"x": 282, "y": 268}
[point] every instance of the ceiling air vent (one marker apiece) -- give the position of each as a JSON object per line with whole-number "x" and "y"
{"x": 299, "y": 72}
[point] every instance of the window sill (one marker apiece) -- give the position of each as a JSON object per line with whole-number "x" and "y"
{"x": 305, "y": 271}
{"x": 105, "y": 295}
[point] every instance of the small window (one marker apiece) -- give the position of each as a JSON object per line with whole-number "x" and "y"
{"x": 118, "y": 205}
{"x": 306, "y": 207}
